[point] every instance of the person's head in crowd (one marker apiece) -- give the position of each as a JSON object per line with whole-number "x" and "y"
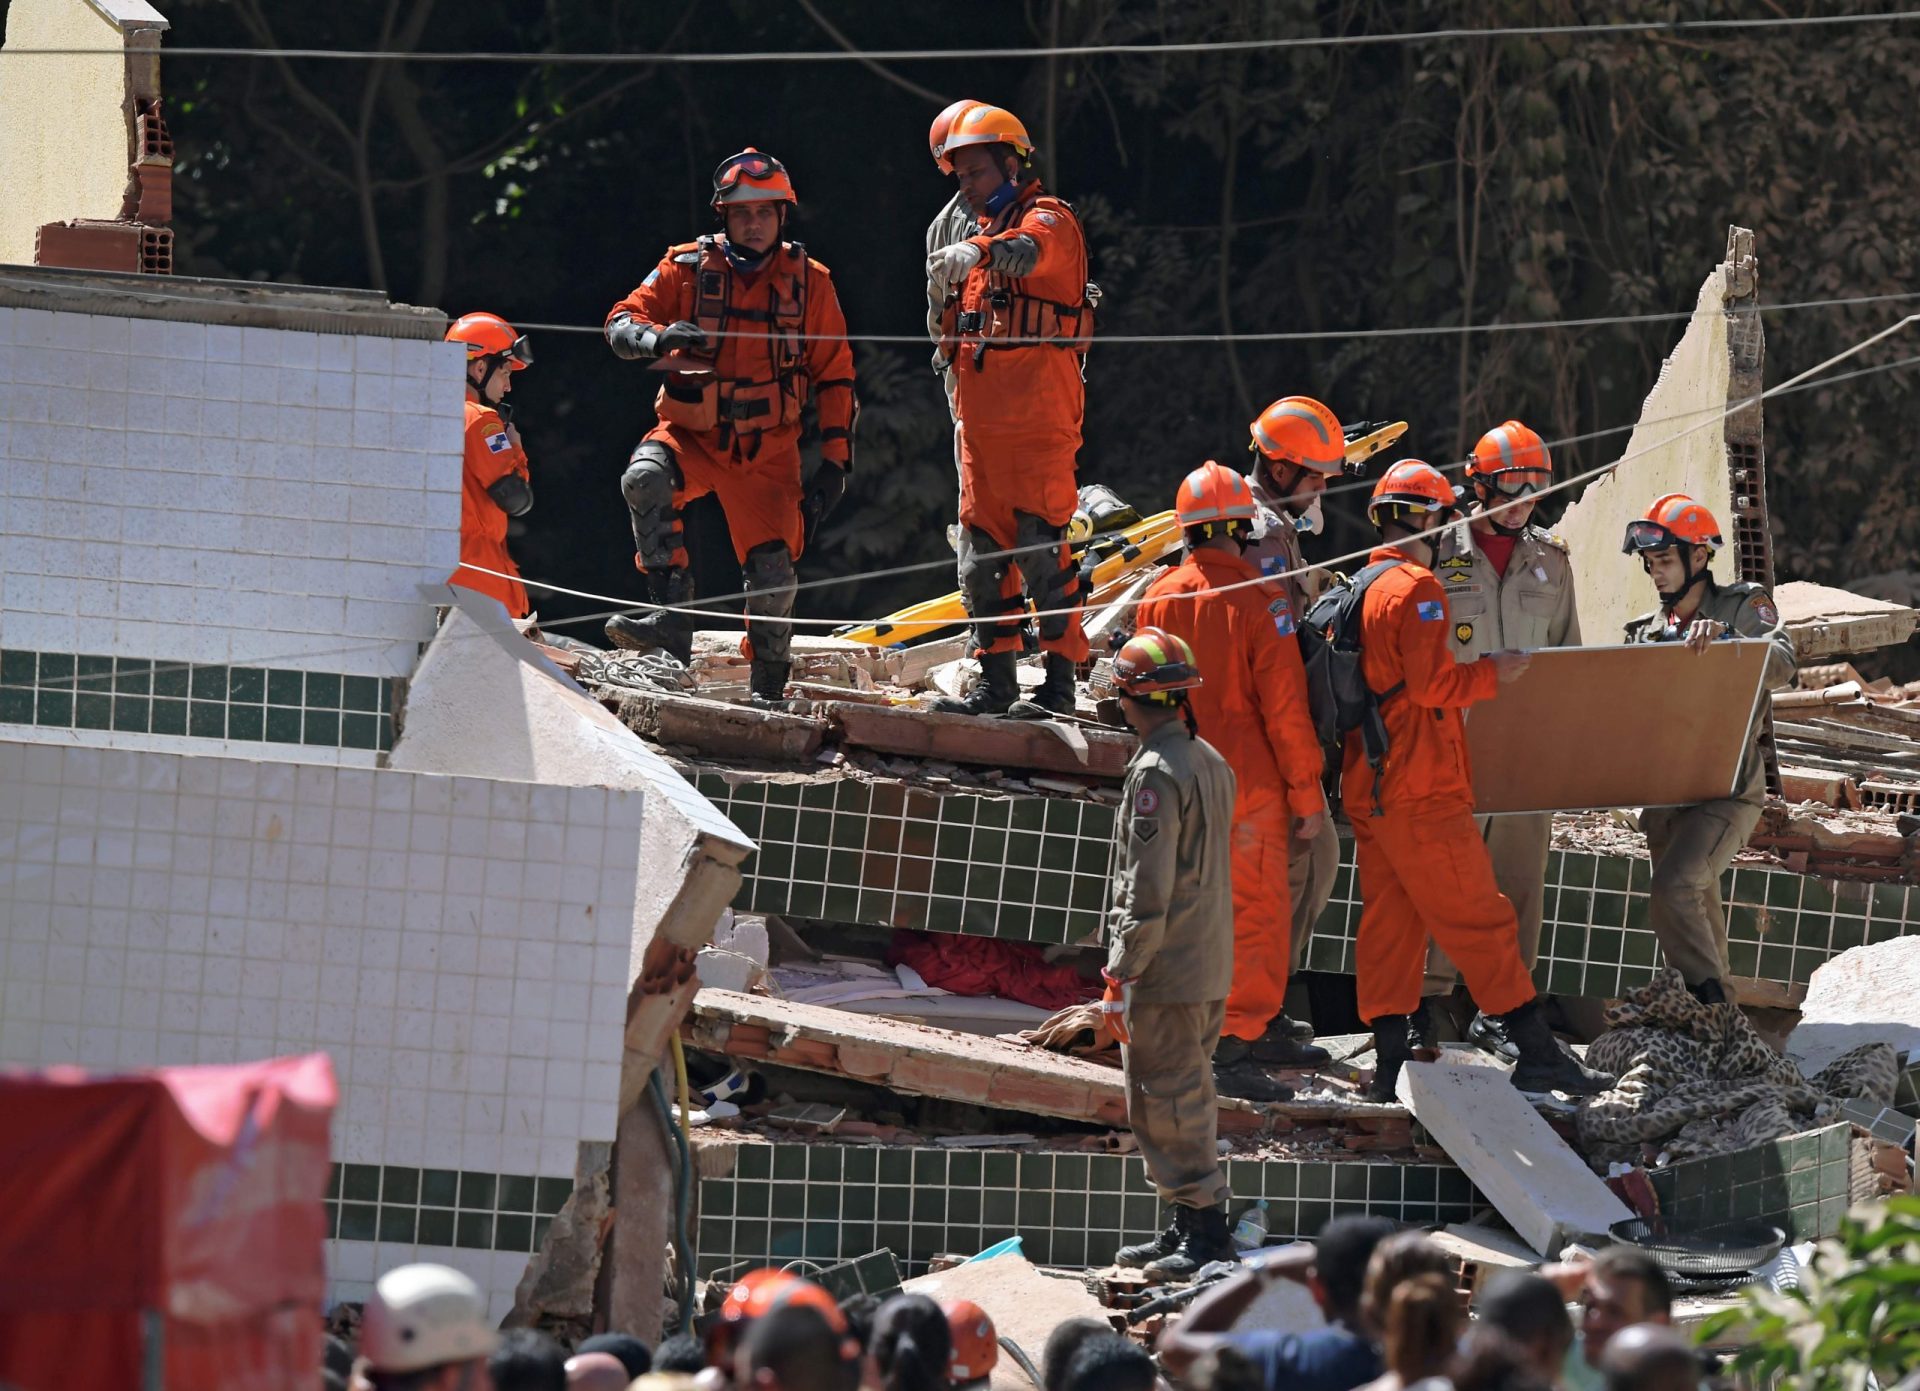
{"x": 1650, "y": 1357}
{"x": 528, "y": 1360}
{"x": 1062, "y": 1344}
{"x": 976, "y": 1343}
{"x": 1341, "y": 1254}
{"x": 911, "y": 1344}
{"x": 860, "y": 1310}
{"x": 757, "y": 1294}
{"x": 1224, "y": 1368}
{"x": 1396, "y": 1260}
{"x": 1529, "y": 1310}
{"x": 1623, "y": 1286}
{"x": 596, "y": 1371}
{"x": 1109, "y": 1362}
{"x": 630, "y": 1350}
{"x": 1421, "y": 1329}
{"x": 792, "y": 1347}
{"x": 425, "y": 1329}
{"x": 1489, "y": 1360}
{"x": 680, "y": 1352}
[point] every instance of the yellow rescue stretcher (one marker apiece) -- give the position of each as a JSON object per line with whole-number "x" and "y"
{"x": 1118, "y": 554}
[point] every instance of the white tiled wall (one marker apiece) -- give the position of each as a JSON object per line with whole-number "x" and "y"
{"x": 204, "y": 493}
{"x": 459, "y": 946}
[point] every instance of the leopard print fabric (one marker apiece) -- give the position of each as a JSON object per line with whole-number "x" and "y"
{"x": 1697, "y": 1079}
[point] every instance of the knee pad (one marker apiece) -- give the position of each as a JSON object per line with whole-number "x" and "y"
{"x": 768, "y": 573}
{"x": 651, "y": 477}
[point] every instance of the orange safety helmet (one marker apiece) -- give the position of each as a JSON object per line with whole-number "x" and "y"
{"x": 1157, "y": 667}
{"x": 1512, "y": 460}
{"x": 976, "y": 1343}
{"x": 752, "y": 177}
{"x": 981, "y": 124}
{"x": 1213, "y": 493}
{"x": 489, "y": 335}
{"x": 1415, "y": 485}
{"x": 941, "y": 128}
{"x": 1673, "y": 520}
{"x": 1299, "y": 430}
{"x": 760, "y": 1292}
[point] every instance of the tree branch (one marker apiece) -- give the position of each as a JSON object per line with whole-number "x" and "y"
{"x": 878, "y": 69}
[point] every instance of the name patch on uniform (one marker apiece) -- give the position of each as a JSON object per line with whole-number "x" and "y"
{"x": 1764, "y": 610}
{"x": 499, "y": 443}
{"x": 1463, "y": 632}
{"x": 1146, "y": 801}
{"x": 1282, "y": 613}
{"x": 1431, "y": 610}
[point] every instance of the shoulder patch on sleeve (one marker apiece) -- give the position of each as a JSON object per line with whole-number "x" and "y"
{"x": 498, "y": 443}
{"x": 1145, "y": 828}
{"x": 1431, "y": 610}
{"x": 1146, "y": 801}
{"x": 1764, "y": 610}
{"x": 1282, "y": 614}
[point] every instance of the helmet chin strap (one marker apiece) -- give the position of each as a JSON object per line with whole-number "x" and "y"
{"x": 494, "y": 364}
{"x": 1669, "y": 602}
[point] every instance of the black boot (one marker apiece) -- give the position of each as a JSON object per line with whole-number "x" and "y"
{"x": 1710, "y": 992}
{"x": 1053, "y": 696}
{"x": 1161, "y": 1246}
{"x": 1488, "y": 1034}
{"x": 1393, "y": 1043}
{"x": 1544, "y": 1065}
{"x": 657, "y": 631}
{"x": 1279, "y": 1046}
{"x": 1236, "y": 1074}
{"x": 1207, "y": 1239}
{"x": 1296, "y": 1029}
{"x": 997, "y": 688}
{"x": 768, "y": 681}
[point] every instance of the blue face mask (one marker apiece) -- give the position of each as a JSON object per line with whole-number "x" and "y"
{"x": 1000, "y": 197}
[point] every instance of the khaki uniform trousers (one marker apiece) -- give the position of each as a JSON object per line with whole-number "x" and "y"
{"x": 1518, "y": 847}
{"x": 1691, "y": 848}
{"x": 1170, "y": 1099}
{"x": 1311, "y": 865}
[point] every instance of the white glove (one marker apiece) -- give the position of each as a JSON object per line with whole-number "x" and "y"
{"x": 949, "y": 265}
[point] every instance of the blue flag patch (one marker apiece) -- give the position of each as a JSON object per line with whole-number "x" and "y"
{"x": 498, "y": 443}
{"x": 1431, "y": 610}
{"x": 1282, "y": 617}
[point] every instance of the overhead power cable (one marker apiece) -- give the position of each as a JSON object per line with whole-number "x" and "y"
{"x": 1610, "y": 28}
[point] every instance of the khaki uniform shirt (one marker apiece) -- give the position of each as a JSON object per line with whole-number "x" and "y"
{"x": 1529, "y": 607}
{"x": 953, "y": 223}
{"x": 1171, "y": 924}
{"x": 1278, "y": 549}
{"x": 1748, "y": 611}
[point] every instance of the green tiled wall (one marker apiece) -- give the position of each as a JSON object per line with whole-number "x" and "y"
{"x": 64, "y": 690}
{"x": 1799, "y": 1183}
{"x": 826, "y": 1202}
{"x": 442, "y": 1207}
{"x": 1032, "y": 868}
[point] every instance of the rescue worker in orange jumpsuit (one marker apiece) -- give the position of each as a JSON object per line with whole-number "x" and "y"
{"x": 1297, "y": 445}
{"x": 1423, "y": 868}
{"x": 494, "y": 482}
{"x": 747, "y": 327}
{"x": 1015, "y": 294}
{"x": 1253, "y": 708}
{"x": 1509, "y": 585}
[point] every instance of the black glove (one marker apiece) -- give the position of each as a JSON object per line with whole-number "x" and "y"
{"x": 676, "y": 336}
{"x": 632, "y": 339}
{"x": 826, "y": 485}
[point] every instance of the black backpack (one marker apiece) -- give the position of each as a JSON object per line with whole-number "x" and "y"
{"x": 1338, "y": 696}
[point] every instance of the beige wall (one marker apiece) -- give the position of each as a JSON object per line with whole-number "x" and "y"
{"x": 65, "y": 127}
{"x": 1678, "y": 446}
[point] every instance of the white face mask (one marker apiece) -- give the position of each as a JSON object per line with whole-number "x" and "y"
{"x": 1313, "y": 520}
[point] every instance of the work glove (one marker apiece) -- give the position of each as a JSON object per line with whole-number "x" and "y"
{"x": 826, "y": 485}
{"x": 677, "y": 336}
{"x": 1113, "y": 1007}
{"x": 949, "y": 265}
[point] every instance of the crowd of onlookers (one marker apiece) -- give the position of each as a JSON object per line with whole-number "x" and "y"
{"x": 1394, "y": 1320}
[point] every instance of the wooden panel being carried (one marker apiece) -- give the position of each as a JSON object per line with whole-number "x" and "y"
{"x": 1588, "y": 728}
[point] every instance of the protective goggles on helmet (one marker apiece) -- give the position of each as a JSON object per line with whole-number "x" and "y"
{"x": 1514, "y": 484}
{"x": 748, "y": 164}
{"x": 1643, "y": 536}
{"x": 521, "y": 353}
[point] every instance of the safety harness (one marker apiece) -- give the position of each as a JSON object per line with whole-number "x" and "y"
{"x": 1009, "y": 316}
{"x": 718, "y": 303}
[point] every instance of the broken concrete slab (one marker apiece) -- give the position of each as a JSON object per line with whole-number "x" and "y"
{"x": 1867, "y": 994}
{"x": 1047, "y": 745}
{"x": 1025, "y": 1304}
{"x": 719, "y": 969}
{"x": 1540, "y": 1186}
{"x": 1482, "y": 1251}
{"x": 1827, "y": 622}
{"x": 720, "y": 729}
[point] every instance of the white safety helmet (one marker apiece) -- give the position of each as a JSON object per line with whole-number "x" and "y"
{"x": 424, "y": 1316}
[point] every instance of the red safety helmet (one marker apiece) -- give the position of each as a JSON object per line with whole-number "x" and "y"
{"x": 1299, "y": 430}
{"x": 976, "y": 1343}
{"x": 1512, "y": 460}
{"x": 752, "y": 177}
{"x": 489, "y": 335}
{"x": 1155, "y": 666}
{"x": 1673, "y": 520}
{"x": 759, "y": 1292}
{"x": 1415, "y": 485}
{"x": 981, "y": 124}
{"x": 941, "y": 128}
{"x": 1213, "y": 493}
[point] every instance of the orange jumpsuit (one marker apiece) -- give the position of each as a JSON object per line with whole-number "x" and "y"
{"x": 779, "y": 336}
{"x": 1020, "y": 407}
{"x": 491, "y": 455}
{"x": 1252, "y": 707}
{"x": 1423, "y": 867}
